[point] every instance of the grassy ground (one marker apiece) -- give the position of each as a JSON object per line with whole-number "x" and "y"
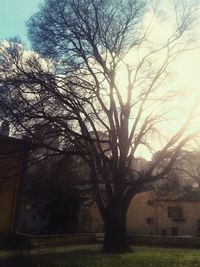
{"x": 90, "y": 256}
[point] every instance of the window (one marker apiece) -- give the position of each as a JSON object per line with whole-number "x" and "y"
{"x": 150, "y": 202}
{"x": 195, "y": 185}
{"x": 174, "y": 212}
{"x": 163, "y": 232}
{"x": 150, "y": 220}
{"x": 174, "y": 231}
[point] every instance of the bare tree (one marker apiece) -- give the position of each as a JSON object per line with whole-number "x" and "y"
{"x": 77, "y": 91}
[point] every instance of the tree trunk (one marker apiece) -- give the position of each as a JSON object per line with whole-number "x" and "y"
{"x": 115, "y": 239}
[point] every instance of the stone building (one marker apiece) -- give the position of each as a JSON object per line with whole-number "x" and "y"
{"x": 13, "y": 158}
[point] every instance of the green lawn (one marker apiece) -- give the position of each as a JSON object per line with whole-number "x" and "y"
{"x": 90, "y": 256}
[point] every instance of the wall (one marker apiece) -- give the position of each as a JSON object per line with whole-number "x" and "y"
{"x": 144, "y": 205}
{"x": 190, "y": 216}
{"x": 11, "y": 157}
{"x": 140, "y": 210}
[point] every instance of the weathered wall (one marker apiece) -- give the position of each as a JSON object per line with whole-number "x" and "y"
{"x": 187, "y": 225}
{"x": 140, "y": 210}
{"x": 10, "y": 173}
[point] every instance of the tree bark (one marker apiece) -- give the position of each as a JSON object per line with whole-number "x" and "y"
{"x": 115, "y": 239}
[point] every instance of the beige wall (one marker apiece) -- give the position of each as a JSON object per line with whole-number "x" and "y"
{"x": 10, "y": 171}
{"x": 138, "y": 213}
{"x": 187, "y": 225}
{"x": 139, "y": 210}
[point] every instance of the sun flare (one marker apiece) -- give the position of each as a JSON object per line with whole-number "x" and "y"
{"x": 182, "y": 78}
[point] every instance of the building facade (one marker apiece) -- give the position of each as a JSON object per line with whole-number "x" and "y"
{"x": 13, "y": 154}
{"x": 173, "y": 216}
{"x": 149, "y": 214}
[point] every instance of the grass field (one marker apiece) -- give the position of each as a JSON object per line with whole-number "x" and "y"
{"x": 90, "y": 256}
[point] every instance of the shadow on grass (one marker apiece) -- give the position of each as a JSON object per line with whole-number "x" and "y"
{"x": 77, "y": 258}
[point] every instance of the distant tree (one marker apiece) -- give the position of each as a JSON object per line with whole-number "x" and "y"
{"x": 52, "y": 189}
{"x": 184, "y": 176}
{"x": 73, "y": 84}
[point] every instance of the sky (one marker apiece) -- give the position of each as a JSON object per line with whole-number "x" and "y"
{"x": 13, "y": 17}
